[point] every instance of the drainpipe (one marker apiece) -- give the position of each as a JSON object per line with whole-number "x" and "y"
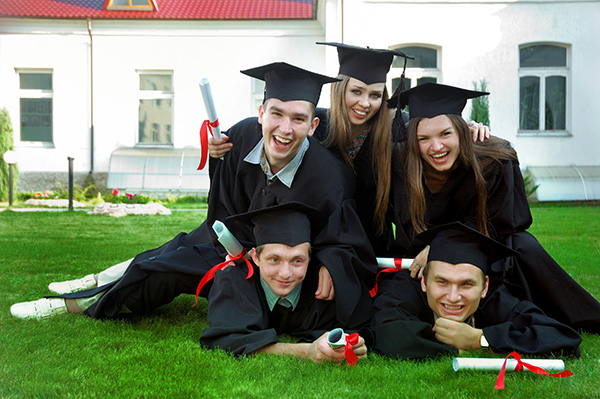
{"x": 89, "y": 27}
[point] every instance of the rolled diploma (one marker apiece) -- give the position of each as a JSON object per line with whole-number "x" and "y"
{"x": 336, "y": 338}
{"x": 227, "y": 240}
{"x": 403, "y": 263}
{"x": 472, "y": 363}
{"x": 210, "y": 106}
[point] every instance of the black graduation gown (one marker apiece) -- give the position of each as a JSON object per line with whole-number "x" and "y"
{"x": 321, "y": 182}
{"x": 240, "y": 320}
{"x": 533, "y": 274}
{"x": 366, "y": 187}
{"x": 402, "y": 323}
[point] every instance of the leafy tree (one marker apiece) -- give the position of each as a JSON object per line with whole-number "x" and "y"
{"x": 480, "y": 106}
{"x": 6, "y": 143}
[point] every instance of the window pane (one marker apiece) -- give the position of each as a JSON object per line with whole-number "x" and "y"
{"x": 556, "y": 94}
{"x": 36, "y": 119}
{"x": 424, "y": 58}
{"x": 542, "y": 56}
{"x": 156, "y": 82}
{"x": 396, "y": 83}
{"x": 529, "y": 112}
{"x": 155, "y": 121}
{"x": 426, "y": 80}
{"x": 36, "y": 81}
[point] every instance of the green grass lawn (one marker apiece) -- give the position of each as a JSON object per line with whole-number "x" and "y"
{"x": 158, "y": 356}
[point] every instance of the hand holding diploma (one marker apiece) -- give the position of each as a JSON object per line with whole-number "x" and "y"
{"x": 211, "y": 125}
{"x": 337, "y": 339}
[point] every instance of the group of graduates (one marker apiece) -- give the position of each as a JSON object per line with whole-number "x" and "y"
{"x": 313, "y": 195}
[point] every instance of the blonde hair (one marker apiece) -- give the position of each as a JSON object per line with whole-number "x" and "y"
{"x": 340, "y": 136}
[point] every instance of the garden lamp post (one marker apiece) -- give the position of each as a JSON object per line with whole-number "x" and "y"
{"x": 70, "y": 182}
{"x": 10, "y": 157}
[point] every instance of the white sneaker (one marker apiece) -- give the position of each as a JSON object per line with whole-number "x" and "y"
{"x": 66, "y": 287}
{"x": 40, "y": 309}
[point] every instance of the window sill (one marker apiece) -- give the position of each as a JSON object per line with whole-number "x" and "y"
{"x": 542, "y": 133}
{"x": 35, "y": 144}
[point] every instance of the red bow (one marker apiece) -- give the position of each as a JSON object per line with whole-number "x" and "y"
{"x": 531, "y": 367}
{"x": 204, "y": 130}
{"x": 351, "y": 358}
{"x": 211, "y": 273}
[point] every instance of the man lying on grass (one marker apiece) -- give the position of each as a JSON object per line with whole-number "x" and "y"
{"x": 245, "y": 315}
{"x": 454, "y": 308}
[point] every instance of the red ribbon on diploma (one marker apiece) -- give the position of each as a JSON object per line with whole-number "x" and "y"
{"x": 204, "y": 130}
{"x": 531, "y": 367}
{"x": 211, "y": 273}
{"x": 351, "y": 358}
{"x": 373, "y": 291}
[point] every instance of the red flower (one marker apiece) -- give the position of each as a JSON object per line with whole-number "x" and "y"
{"x": 130, "y": 196}
{"x": 115, "y": 191}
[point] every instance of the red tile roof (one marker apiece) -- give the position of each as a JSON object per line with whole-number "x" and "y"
{"x": 167, "y": 9}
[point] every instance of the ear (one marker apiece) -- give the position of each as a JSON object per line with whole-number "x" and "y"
{"x": 423, "y": 285}
{"x": 313, "y": 126}
{"x": 485, "y": 287}
{"x": 253, "y": 256}
{"x": 261, "y": 111}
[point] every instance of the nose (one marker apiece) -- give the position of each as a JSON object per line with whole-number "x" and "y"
{"x": 285, "y": 126}
{"x": 285, "y": 272}
{"x": 453, "y": 294}
{"x": 436, "y": 145}
{"x": 364, "y": 101}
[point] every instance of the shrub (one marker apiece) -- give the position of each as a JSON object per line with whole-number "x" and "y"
{"x": 480, "y": 106}
{"x": 6, "y": 143}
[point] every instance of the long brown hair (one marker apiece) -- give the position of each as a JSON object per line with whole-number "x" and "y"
{"x": 475, "y": 157}
{"x": 340, "y": 136}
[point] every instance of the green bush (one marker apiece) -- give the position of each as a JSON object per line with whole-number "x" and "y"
{"x": 6, "y": 143}
{"x": 186, "y": 199}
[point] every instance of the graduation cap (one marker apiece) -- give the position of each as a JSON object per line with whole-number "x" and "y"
{"x": 365, "y": 64}
{"x": 432, "y": 99}
{"x": 456, "y": 243}
{"x": 290, "y": 223}
{"x": 286, "y": 82}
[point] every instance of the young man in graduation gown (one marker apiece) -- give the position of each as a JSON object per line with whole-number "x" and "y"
{"x": 246, "y": 315}
{"x": 274, "y": 160}
{"x": 450, "y": 309}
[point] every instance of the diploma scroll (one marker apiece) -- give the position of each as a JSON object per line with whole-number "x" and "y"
{"x": 336, "y": 338}
{"x": 492, "y": 364}
{"x": 227, "y": 240}
{"x": 210, "y": 107}
{"x": 398, "y": 263}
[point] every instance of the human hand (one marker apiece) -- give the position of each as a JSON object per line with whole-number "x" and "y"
{"x": 458, "y": 334}
{"x": 217, "y": 148}
{"x": 479, "y": 131}
{"x": 325, "y": 289}
{"x": 416, "y": 269}
{"x": 321, "y": 351}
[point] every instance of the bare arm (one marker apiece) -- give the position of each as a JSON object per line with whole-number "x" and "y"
{"x": 317, "y": 351}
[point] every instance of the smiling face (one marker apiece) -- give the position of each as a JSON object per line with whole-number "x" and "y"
{"x": 454, "y": 291}
{"x": 285, "y": 125}
{"x": 362, "y": 100}
{"x": 439, "y": 143}
{"x": 283, "y": 267}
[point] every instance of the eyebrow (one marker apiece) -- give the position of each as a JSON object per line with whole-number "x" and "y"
{"x": 297, "y": 114}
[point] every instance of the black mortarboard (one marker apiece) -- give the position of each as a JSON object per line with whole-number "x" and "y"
{"x": 368, "y": 65}
{"x": 290, "y": 223}
{"x": 432, "y": 99}
{"x": 456, "y": 243}
{"x": 286, "y": 82}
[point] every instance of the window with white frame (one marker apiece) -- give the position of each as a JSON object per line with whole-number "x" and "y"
{"x": 543, "y": 89}
{"x": 35, "y": 92}
{"x": 155, "y": 111}
{"x": 424, "y": 68}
